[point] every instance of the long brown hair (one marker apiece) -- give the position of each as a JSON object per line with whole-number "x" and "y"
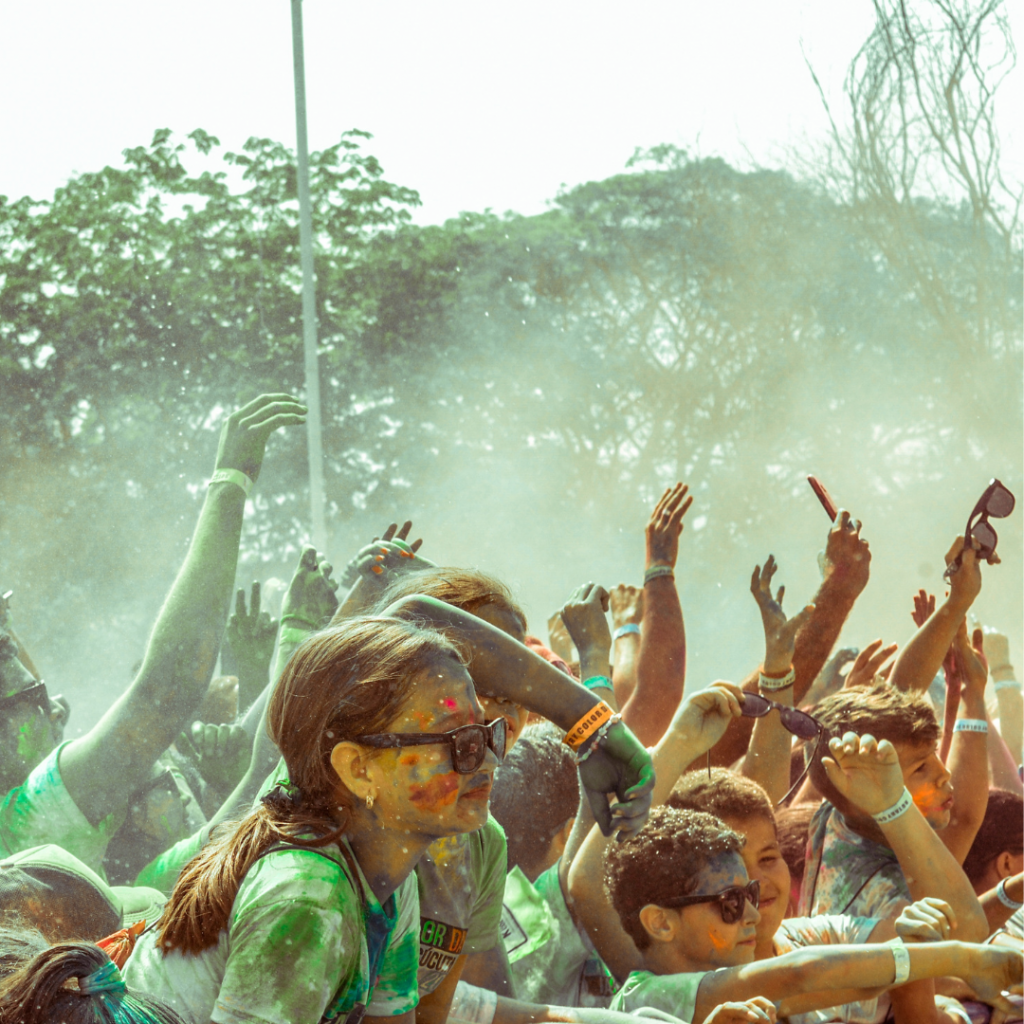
{"x": 467, "y": 589}
{"x": 343, "y": 683}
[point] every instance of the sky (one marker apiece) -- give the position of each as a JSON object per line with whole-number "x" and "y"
{"x": 474, "y": 105}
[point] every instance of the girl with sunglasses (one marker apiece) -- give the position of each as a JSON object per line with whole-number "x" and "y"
{"x": 682, "y": 894}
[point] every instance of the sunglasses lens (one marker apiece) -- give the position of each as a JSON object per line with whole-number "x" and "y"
{"x": 985, "y": 536}
{"x": 731, "y": 905}
{"x": 755, "y": 706}
{"x": 499, "y": 737}
{"x": 1000, "y": 503}
{"x": 469, "y": 747}
{"x": 799, "y": 724}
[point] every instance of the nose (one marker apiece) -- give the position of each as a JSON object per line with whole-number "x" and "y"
{"x": 751, "y": 915}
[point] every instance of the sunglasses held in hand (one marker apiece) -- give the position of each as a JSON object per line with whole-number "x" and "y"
{"x": 997, "y": 503}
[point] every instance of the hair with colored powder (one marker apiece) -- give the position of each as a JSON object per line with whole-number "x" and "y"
{"x": 792, "y": 825}
{"x": 468, "y": 589}
{"x": 664, "y": 859}
{"x": 340, "y": 684}
{"x": 536, "y": 791}
{"x": 1002, "y": 831}
{"x": 881, "y": 711}
{"x": 726, "y": 795}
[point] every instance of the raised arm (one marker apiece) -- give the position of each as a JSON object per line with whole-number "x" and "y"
{"x": 922, "y": 657}
{"x": 627, "y": 608}
{"x": 767, "y": 758}
{"x": 250, "y": 638}
{"x": 868, "y": 774}
{"x": 661, "y": 660}
{"x": 847, "y": 567}
{"x": 183, "y": 646}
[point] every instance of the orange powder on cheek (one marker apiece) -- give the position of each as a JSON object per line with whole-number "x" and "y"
{"x": 439, "y": 792}
{"x": 409, "y": 759}
{"x": 717, "y": 941}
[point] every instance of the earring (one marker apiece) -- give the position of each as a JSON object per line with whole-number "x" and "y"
{"x": 369, "y": 801}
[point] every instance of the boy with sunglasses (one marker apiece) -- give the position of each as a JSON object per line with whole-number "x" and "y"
{"x": 682, "y": 894}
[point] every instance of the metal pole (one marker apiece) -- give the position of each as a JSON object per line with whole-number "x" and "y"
{"x": 315, "y": 444}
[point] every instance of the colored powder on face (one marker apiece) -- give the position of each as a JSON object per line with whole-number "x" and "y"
{"x": 439, "y": 792}
{"x": 409, "y": 759}
{"x": 717, "y": 941}
{"x": 450, "y": 703}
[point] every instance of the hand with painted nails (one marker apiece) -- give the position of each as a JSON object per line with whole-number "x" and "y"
{"x": 779, "y": 632}
{"x": 847, "y": 555}
{"x": 756, "y": 1009}
{"x": 864, "y": 771}
{"x": 626, "y": 604}
{"x": 869, "y": 663}
{"x": 622, "y": 766}
{"x": 310, "y": 600}
{"x": 665, "y": 526}
{"x": 584, "y": 615}
{"x": 381, "y": 561}
{"x": 352, "y": 568}
{"x": 244, "y": 436}
{"x": 928, "y": 920}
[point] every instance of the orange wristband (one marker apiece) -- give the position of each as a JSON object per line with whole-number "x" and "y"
{"x": 588, "y": 725}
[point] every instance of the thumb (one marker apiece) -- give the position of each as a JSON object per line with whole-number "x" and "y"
{"x": 602, "y": 812}
{"x": 833, "y": 771}
{"x": 978, "y": 641}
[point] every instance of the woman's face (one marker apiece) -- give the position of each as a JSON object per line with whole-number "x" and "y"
{"x": 763, "y": 861}
{"x": 417, "y": 787}
{"x": 704, "y": 938}
{"x": 497, "y": 707}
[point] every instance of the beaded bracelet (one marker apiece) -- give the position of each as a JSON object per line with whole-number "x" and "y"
{"x": 777, "y": 683}
{"x": 656, "y": 571}
{"x": 629, "y": 627}
{"x": 901, "y": 962}
{"x": 588, "y": 725}
{"x": 1005, "y": 898}
{"x": 231, "y": 476}
{"x": 970, "y": 725}
{"x": 598, "y": 737}
{"x": 598, "y": 683}
{"x": 897, "y": 810}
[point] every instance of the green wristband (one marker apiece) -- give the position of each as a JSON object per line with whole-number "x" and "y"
{"x": 299, "y": 619}
{"x": 598, "y": 683}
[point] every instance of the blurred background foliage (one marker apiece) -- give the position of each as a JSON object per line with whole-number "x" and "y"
{"x": 522, "y": 387}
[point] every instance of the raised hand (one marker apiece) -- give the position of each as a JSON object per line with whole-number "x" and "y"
{"x": 243, "y": 438}
{"x": 971, "y": 666}
{"x": 251, "y": 634}
{"x": 997, "y": 650}
{"x": 928, "y": 920}
{"x": 627, "y": 605}
{"x": 869, "y": 663}
{"x": 756, "y": 1009}
{"x": 402, "y": 536}
{"x": 705, "y": 715}
{"x": 665, "y": 526}
{"x": 965, "y": 585}
{"x": 779, "y": 632}
{"x": 924, "y": 608}
{"x": 847, "y": 555}
{"x": 310, "y": 600}
{"x": 864, "y": 771}
{"x": 222, "y": 753}
{"x": 586, "y": 622}
{"x": 619, "y": 765}
{"x": 559, "y": 639}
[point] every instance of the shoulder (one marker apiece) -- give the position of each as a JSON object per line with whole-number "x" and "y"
{"x": 673, "y": 993}
{"x": 297, "y": 875}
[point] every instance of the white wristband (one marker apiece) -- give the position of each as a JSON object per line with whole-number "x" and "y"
{"x": 901, "y": 961}
{"x": 897, "y": 810}
{"x": 231, "y": 476}
{"x": 1007, "y": 684}
{"x": 970, "y": 725}
{"x": 768, "y": 683}
{"x": 629, "y": 627}
{"x": 472, "y": 1005}
{"x": 1005, "y": 899}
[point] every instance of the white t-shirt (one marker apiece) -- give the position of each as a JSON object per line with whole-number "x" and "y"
{"x": 295, "y": 949}
{"x": 675, "y": 994}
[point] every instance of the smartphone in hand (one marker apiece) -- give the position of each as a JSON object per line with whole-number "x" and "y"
{"x": 824, "y": 497}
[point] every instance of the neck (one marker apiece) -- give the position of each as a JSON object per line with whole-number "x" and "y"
{"x": 665, "y": 958}
{"x": 765, "y": 948}
{"x": 386, "y": 855}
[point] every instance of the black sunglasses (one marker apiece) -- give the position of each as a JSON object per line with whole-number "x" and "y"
{"x": 731, "y": 902}
{"x": 468, "y": 744}
{"x": 996, "y": 502}
{"x": 799, "y": 723}
{"x": 35, "y": 695}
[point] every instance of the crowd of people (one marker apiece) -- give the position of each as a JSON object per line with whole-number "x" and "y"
{"x": 397, "y": 801}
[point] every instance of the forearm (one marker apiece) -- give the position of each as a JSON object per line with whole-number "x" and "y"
{"x": 767, "y": 759}
{"x": 625, "y": 652}
{"x": 661, "y": 663}
{"x": 932, "y": 870}
{"x": 968, "y": 768}
{"x": 832, "y": 606}
{"x": 503, "y": 667}
{"x": 922, "y": 657}
{"x": 1011, "y": 711}
{"x": 914, "y": 1003}
{"x": 1001, "y": 762}
{"x": 176, "y": 670}
{"x": 997, "y": 913}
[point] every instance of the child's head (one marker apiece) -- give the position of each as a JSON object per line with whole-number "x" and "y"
{"x": 682, "y": 853}
{"x": 535, "y": 797}
{"x": 747, "y": 809}
{"x": 998, "y": 848}
{"x": 483, "y": 596}
{"x": 908, "y": 722}
{"x": 793, "y": 825}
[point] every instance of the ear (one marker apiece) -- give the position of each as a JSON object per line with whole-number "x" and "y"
{"x": 659, "y": 923}
{"x": 350, "y": 763}
{"x": 1006, "y": 865}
